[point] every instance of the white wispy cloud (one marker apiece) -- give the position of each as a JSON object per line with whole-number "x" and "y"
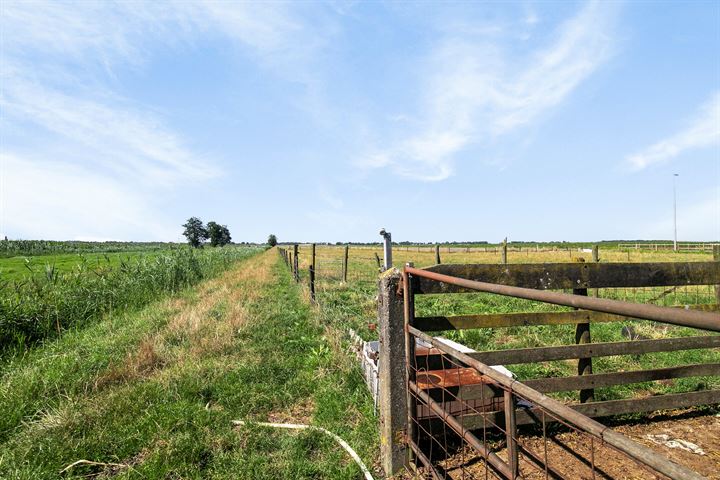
{"x": 61, "y": 200}
{"x": 702, "y": 132}
{"x": 110, "y": 134}
{"x": 476, "y": 90}
{"x": 57, "y": 79}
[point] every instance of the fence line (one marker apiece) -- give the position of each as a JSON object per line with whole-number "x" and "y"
{"x": 681, "y": 246}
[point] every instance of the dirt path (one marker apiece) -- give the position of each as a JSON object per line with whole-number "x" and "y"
{"x": 571, "y": 454}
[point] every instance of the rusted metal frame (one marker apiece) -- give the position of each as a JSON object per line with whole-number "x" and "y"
{"x": 605, "y": 408}
{"x": 570, "y": 275}
{"x": 528, "y": 319}
{"x": 410, "y": 361}
{"x": 604, "y": 349}
{"x": 464, "y": 433}
{"x": 467, "y": 391}
{"x": 425, "y": 461}
{"x": 599, "y": 380}
{"x": 639, "y": 452}
{"x": 502, "y": 320}
{"x": 673, "y": 316}
{"x": 511, "y": 434}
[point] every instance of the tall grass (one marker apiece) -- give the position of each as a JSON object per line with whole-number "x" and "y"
{"x": 11, "y": 248}
{"x": 44, "y": 306}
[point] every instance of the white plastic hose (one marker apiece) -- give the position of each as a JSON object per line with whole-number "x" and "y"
{"x": 296, "y": 426}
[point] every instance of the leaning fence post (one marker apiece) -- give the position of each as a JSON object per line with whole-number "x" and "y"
{"x": 582, "y": 335}
{"x": 392, "y": 394}
{"x": 437, "y": 254}
{"x": 345, "y": 263}
{"x": 377, "y": 260}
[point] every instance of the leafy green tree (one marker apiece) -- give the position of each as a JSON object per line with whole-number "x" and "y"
{"x": 225, "y": 237}
{"x": 195, "y": 232}
{"x": 219, "y": 234}
{"x": 272, "y": 240}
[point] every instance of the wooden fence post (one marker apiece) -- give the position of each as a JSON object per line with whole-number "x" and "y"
{"x": 312, "y": 260}
{"x": 312, "y": 283}
{"x": 392, "y": 394}
{"x": 503, "y": 252}
{"x": 582, "y": 335}
{"x": 295, "y": 263}
{"x": 596, "y": 259}
{"x": 437, "y": 254}
{"x": 377, "y": 260}
{"x": 716, "y": 257}
{"x": 345, "y": 264}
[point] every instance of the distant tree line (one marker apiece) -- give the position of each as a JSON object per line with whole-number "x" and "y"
{"x": 196, "y": 233}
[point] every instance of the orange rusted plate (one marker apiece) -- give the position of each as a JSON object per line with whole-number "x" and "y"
{"x": 422, "y": 351}
{"x": 451, "y": 377}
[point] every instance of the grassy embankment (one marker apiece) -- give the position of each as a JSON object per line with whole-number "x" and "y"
{"x": 353, "y": 305}
{"x": 151, "y": 393}
{"x": 39, "y": 307}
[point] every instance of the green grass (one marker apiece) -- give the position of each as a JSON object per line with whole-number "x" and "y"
{"x": 237, "y": 347}
{"x": 44, "y": 306}
{"x": 29, "y": 248}
{"x": 20, "y": 268}
{"x": 353, "y": 305}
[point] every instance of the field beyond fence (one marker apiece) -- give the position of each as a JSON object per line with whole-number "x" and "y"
{"x": 345, "y": 279}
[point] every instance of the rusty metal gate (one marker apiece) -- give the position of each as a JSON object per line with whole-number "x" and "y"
{"x": 463, "y": 412}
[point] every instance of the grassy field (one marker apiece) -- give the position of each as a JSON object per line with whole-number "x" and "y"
{"x": 151, "y": 393}
{"x": 19, "y": 268}
{"x": 39, "y": 306}
{"x": 31, "y": 248}
{"x": 353, "y": 305}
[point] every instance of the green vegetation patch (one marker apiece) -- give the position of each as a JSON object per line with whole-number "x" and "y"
{"x": 44, "y": 306}
{"x": 237, "y": 347}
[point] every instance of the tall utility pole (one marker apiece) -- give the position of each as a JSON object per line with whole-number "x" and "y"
{"x": 675, "y": 210}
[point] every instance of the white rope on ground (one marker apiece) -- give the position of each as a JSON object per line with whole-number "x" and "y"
{"x": 296, "y": 426}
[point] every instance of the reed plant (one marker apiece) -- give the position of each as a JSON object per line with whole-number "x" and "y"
{"x": 43, "y": 306}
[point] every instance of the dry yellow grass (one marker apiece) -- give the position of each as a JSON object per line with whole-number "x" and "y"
{"x": 202, "y": 325}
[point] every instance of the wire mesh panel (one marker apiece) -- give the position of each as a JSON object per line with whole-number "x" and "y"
{"x": 464, "y": 426}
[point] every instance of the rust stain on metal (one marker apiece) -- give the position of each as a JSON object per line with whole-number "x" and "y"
{"x": 451, "y": 377}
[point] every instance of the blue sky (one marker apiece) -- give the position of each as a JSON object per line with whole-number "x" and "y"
{"x": 326, "y": 121}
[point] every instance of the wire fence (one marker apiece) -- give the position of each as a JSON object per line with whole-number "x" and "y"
{"x": 463, "y": 433}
